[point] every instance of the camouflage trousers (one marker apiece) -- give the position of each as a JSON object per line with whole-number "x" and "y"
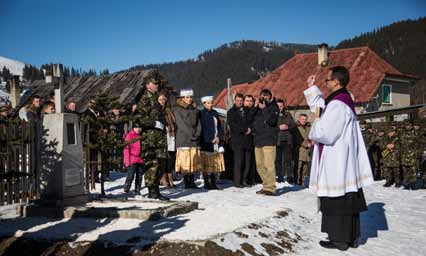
{"x": 392, "y": 174}
{"x": 153, "y": 171}
{"x": 409, "y": 174}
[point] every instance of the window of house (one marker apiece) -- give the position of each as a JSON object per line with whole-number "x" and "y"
{"x": 387, "y": 92}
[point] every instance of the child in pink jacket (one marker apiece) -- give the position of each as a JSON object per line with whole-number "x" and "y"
{"x": 132, "y": 159}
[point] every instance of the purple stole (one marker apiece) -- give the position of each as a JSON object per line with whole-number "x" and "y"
{"x": 344, "y": 97}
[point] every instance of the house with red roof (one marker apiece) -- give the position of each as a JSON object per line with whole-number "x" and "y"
{"x": 374, "y": 83}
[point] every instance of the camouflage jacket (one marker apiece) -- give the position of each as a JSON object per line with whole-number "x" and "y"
{"x": 409, "y": 147}
{"x": 392, "y": 157}
{"x": 154, "y": 141}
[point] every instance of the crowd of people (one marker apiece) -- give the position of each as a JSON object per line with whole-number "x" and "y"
{"x": 155, "y": 139}
{"x": 395, "y": 152}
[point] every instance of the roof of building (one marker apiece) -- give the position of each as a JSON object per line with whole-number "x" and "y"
{"x": 288, "y": 81}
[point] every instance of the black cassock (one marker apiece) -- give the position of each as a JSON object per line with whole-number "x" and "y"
{"x": 340, "y": 216}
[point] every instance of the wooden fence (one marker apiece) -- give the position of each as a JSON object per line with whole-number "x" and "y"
{"x": 19, "y": 154}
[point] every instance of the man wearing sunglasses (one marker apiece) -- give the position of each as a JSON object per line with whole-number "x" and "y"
{"x": 340, "y": 164}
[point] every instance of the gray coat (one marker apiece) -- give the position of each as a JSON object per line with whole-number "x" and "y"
{"x": 188, "y": 127}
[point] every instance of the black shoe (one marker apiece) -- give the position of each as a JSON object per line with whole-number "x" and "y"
{"x": 213, "y": 182}
{"x": 154, "y": 193}
{"x": 398, "y": 184}
{"x": 126, "y": 190}
{"x": 151, "y": 193}
{"x": 354, "y": 244}
{"x": 192, "y": 184}
{"x": 388, "y": 184}
{"x": 334, "y": 245}
{"x": 290, "y": 180}
{"x": 137, "y": 193}
{"x": 207, "y": 184}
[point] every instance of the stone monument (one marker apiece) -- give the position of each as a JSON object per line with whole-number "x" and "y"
{"x": 62, "y": 179}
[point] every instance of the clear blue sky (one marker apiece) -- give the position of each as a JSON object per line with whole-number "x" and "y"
{"x": 118, "y": 34}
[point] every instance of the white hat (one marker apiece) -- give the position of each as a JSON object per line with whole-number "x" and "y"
{"x": 206, "y": 98}
{"x": 186, "y": 92}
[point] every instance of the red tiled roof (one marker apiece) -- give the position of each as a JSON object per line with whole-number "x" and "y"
{"x": 288, "y": 81}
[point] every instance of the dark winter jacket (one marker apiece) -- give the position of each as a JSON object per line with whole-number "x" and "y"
{"x": 239, "y": 120}
{"x": 188, "y": 128}
{"x": 265, "y": 126}
{"x": 208, "y": 129}
{"x": 286, "y": 136}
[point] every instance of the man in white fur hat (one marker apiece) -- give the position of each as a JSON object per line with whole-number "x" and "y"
{"x": 340, "y": 166}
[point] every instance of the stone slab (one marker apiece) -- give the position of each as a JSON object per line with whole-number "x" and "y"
{"x": 110, "y": 208}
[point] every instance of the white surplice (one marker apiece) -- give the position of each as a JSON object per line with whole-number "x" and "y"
{"x": 344, "y": 165}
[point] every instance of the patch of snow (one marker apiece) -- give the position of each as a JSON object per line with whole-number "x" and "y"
{"x": 15, "y": 67}
{"x": 394, "y": 224}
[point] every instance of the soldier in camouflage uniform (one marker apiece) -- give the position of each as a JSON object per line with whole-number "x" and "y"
{"x": 368, "y": 135}
{"x": 378, "y": 151}
{"x": 420, "y": 135}
{"x": 117, "y": 123}
{"x": 391, "y": 159}
{"x": 154, "y": 139}
{"x": 409, "y": 155}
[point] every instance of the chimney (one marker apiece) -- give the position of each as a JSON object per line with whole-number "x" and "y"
{"x": 323, "y": 54}
{"x": 48, "y": 76}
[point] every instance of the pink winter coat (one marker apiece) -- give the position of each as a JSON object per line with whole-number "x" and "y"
{"x": 131, "y": 153}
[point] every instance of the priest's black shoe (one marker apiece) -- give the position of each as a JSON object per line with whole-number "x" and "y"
{"x": 342, "y": 246}
{"x": 354, "y": 244}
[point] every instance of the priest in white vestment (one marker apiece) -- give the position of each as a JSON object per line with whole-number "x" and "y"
{"x": 340, "y": 165}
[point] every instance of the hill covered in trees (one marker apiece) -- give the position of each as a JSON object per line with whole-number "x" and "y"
{"x": 402, "y": 44}
{"x": 242, "y": 61}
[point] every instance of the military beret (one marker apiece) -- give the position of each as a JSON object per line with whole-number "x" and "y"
{"x": 136, "y": 124}
{"x": 115, "y": 105}
{"x": 5, "y": 107}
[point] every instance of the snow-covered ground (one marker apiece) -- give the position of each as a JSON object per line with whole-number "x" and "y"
{"x": 394, "y": 225}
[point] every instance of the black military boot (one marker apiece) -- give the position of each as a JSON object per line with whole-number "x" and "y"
{"x": 388, "y": 183}
{"x": 213, "y": 182}
{"x": 186, "y": 181}
{"x": 192, "y": 184}
{"x": 151, "y": 193}
{"x": 207, "y": 184}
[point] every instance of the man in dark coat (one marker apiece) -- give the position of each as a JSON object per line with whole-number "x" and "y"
{"x": 240, "y": 129}
{"x": 265, "y": 140}
{"x": 284, "y": 158}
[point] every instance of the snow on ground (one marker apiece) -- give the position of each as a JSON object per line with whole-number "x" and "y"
{"x": 394, "y": 225}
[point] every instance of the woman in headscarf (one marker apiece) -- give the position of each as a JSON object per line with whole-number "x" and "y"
{"x": 187, "y": 137}
{"x": 211, "y": 147}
